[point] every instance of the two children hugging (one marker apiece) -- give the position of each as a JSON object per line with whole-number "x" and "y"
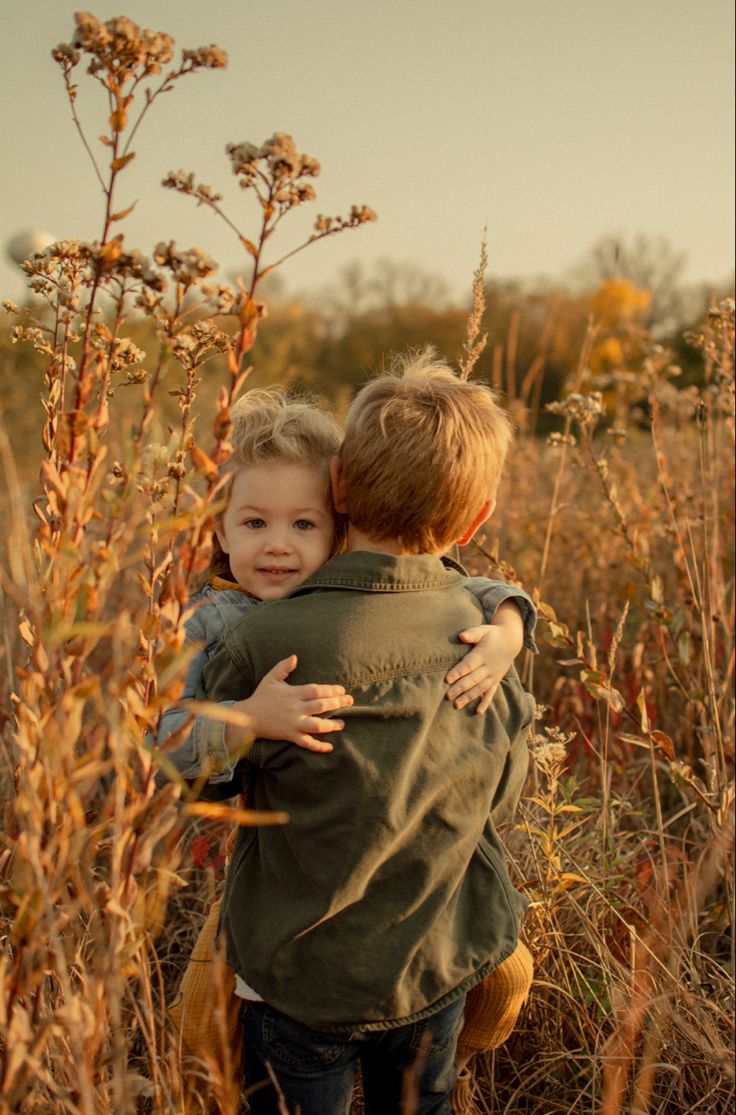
{"x": 381, "y": 917}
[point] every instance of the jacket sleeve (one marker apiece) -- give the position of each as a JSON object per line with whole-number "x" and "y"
{"x": 203, "y": 744}
{"x": 225, "y": 680}
{"x": 511, "y": 784}
{"x": 490, "y": 594}
{"x": 226, "y": 676}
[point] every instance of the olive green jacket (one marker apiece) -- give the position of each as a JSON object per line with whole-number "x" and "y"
{"x": 386, "y": 896}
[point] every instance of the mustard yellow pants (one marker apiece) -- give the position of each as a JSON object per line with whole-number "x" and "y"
{"x": 206, "y": 1009}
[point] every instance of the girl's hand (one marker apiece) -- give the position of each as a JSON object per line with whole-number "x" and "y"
{"x": 290, "y": 712}
{"x": 478, "y": 675}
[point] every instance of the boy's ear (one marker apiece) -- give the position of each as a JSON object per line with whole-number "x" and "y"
{"x": 337, "y": 484}
{"x": 485, "y": 513}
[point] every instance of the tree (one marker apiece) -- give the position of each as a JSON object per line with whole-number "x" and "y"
{"x": 650, "y": 263}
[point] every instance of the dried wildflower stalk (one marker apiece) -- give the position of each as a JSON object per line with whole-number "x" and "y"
{"x": 474, "y": 343}
{"x": 276, "y": 175}
{"x": 123, "y": 524}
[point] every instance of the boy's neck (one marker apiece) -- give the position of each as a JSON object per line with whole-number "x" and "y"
{"x": 359, "y": 541}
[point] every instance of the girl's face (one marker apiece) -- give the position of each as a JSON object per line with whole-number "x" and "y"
{"x": 278, "y": 528}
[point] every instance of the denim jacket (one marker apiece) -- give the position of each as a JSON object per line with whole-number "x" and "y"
{"x": 218, "y": 608}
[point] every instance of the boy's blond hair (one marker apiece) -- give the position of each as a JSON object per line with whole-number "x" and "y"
{"x": 271, "y": 427}
{"x": 423, "y": 452}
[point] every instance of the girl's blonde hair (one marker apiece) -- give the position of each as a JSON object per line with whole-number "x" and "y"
{"x": 269, "y": 427}
{"x": 423, "y": 452}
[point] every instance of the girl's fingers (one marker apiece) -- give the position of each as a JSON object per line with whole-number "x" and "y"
{"x": 328, "y": 704}
{"x": 486, "y": 701}
{"x": 315, "y": 692}
{"x": 282, "y": 669}
{"x": 315, "y": 724}
{"x": 467, "y": 682}
{"x": 473, "y": 660}
{"x": 473, "y": 694}
{"x": 309, "y": 743}
{"x": 473, "y": 634}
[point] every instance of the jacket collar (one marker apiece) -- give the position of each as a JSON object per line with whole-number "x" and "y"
{"x": 370, "y": 572}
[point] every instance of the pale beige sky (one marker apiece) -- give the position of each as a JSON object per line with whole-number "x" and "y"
{"x": 550, "y": 121}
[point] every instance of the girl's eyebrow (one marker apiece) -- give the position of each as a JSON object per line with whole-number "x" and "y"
{"x": 242, "y": 508}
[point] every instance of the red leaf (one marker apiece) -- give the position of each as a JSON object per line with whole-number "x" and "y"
{"x": 200, "y": 850}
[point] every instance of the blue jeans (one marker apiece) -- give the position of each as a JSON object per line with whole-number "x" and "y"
{"x": 315, "y": 1069}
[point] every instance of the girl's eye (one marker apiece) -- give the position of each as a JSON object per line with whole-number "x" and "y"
{"x": 304, "y": 524}
{"x": 255, "y": 524}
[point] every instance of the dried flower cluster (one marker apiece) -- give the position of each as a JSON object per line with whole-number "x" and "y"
{"x": 210, "y": 57}
{"x": 550, "y": 751}
{"x": 558, "y": 439}
{"x": 82, "y": 263}
{"x": 274, "y": 171}
{"x": 184, "y": 183}
{"x": 716, "y": 342}
{"x": 121, "y": 47}
{"x": 278, "y": 157}
{"x": 189, "y": 267}
{"x": 586, "y": 410}
{"x": 123, "y": 50}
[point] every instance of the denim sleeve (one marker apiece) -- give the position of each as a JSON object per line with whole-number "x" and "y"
{"x": 228, "y": 673}
{"x": 511, "y": 784}
{"x": 203, "y": 747}
{"x": 490, "y": 594}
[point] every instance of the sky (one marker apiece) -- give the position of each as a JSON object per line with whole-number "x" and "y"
{"x": 549, "y": 122}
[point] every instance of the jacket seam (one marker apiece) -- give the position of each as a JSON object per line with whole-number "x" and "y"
{"x": 374, "y": 586}
{"x": 408, "y": 670}
{"x": 364, "y": 680}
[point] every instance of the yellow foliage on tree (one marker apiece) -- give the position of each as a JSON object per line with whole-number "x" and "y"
{"x": 618, "y": 302}
{"x": 617, "y": 307}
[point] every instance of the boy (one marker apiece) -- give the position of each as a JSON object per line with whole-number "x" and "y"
{"x": 357, "y": 928}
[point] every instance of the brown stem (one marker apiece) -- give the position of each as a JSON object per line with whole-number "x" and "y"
{"x": 93, "y": 293}
{"x": 639, "y": 560}
{"x": 587, "y": 345}
{"x": 312, "y": 240}
{"x": 263, "y": 237}
{"x": 78, "y": 126}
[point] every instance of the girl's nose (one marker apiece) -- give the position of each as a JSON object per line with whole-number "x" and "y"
{"x": 276, "y": 542}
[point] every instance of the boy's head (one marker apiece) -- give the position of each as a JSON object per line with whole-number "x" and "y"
{"x": 422, "y": 455}
{"x": 279, "y": 525}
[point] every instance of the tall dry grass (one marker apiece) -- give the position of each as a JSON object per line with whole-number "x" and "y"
{"x": 95, "y": 596}
{"x": 622, "y": 524}
{"x": 625, "y": 841}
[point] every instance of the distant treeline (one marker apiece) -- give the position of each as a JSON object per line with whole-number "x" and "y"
{"x": 330, "y": 345}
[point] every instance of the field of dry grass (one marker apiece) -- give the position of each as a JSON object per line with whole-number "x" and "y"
{"x": 621, "y": 523}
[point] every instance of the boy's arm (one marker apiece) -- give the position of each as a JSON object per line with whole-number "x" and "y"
{"x": 511, "y": 619}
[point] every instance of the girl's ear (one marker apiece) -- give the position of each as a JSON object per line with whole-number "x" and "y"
{"x": 337, "y": 484}
{"x": 485, "y": 513}
{"x": 221, "y": 537}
